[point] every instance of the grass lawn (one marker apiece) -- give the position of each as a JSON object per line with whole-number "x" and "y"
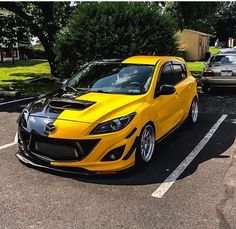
{"x": 15, "y": 77}
{"x": 213, "y": 50}
{"x": 196, "y": 67}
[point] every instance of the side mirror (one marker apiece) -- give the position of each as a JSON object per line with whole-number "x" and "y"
{"x": 167, "y": 90}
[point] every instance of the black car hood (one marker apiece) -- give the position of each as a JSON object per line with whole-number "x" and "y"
{"x": 51, "y": 105}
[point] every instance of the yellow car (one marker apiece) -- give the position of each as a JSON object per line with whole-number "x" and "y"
{"x": 108, "y": 116}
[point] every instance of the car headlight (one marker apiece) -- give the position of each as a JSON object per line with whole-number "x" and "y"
{"x": 113, "y": 125}
{"x": 24, "y": 115}
{"x": 26, "y": 110}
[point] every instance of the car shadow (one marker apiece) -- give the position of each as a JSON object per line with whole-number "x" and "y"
{"x": 171, "y": 152}
{"x": 223, "y": 91}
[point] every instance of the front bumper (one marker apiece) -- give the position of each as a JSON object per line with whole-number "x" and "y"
{"x": 26, "y": 159}
{"x": 89, "y": 164}
{"x": 219, "y": 81}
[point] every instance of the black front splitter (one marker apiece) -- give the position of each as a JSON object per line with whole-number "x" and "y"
{"x": 73, "y": 171}
{"x": 28, "y": 161}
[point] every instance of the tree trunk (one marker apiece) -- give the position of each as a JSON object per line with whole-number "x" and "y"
{"x": 51, "y": 57}
{"x": 1, "y": 56}
{"x": 12, "y": 55}
{"x": 53, "y": 69}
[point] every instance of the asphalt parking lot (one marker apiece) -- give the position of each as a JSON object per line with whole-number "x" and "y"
{"x": 200, "y": 193}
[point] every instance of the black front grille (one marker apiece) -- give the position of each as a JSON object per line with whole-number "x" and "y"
{"x": 51, "y": 149}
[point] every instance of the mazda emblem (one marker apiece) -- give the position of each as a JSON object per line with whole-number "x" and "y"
{"x": 49, "y": 128}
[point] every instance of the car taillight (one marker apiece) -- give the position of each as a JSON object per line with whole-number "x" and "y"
{"x": 208, "y": 73}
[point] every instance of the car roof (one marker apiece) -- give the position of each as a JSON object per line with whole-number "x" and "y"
{"x": 226, "y": 54}
{"x": 227, "y": 50}
{"x": 149, "y": 60}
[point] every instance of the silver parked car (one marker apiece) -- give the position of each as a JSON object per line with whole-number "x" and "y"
{"x": 220, "y": 71}
{"x": 227, "y": 50}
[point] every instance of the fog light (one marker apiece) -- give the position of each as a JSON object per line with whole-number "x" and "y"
{"x": 114, "y": 154}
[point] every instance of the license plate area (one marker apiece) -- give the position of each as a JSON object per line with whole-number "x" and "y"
{"x": 226, "y": 73}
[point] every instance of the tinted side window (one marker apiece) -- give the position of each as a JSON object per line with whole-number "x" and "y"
{"x": 179, "y": 73}
{"x": 184, "y": 69}
{"x": 166, "y": 77}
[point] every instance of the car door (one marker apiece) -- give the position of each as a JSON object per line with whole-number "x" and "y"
{"x": 182, "y": 86}
{"x": 166, "y": 107}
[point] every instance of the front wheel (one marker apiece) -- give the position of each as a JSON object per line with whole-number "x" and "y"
{"x": 193, "y": 113}
{"x": 146, "y": 144}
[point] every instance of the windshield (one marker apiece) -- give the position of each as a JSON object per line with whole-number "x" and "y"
{"x": 113, "y": 78}
{"x": 224, "y": 59}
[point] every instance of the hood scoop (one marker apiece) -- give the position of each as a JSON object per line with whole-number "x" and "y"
{"x": 66, "y": 104}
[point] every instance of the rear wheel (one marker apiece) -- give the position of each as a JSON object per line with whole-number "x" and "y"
{"x": 146, "y": 144}
{"x": 193, "y": 113}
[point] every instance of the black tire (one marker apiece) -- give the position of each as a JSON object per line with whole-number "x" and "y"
{"x": 193, "y": 112}
{"x": 140, "y": 158}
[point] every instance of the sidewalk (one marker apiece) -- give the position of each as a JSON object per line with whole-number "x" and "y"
{"x": 10, "y": 93}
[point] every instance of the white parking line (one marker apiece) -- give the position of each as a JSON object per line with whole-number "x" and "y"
{"x": 7, "y": 145}
{"x": 233, "y": 121}
{"x": 10, "y": 144}
{"x": 17, "y": 100}
{"x": 169, "y": 181}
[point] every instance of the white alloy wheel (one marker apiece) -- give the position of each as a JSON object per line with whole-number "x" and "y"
{"x": 147, "y": 143}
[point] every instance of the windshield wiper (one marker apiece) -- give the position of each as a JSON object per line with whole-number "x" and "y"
{"x": 113, "y": 92}
{"x": 101, "y": 91}
{"x": 82, "y": 89}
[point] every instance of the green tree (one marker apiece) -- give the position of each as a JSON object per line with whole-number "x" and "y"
{"x": 200, "y": 16}
{"x": 114, "y": 30}
{"x": 225, "y": 25}
{"x": 8, "y": 32}
{"x": 44, "y": 19}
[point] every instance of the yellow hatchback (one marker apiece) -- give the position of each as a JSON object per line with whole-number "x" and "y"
{"x": 108, "y": 116}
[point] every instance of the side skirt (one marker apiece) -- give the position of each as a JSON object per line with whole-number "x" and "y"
{"x": 171, "y": 131}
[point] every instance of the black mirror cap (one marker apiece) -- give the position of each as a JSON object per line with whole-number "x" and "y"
{"x": 167, "y": 90}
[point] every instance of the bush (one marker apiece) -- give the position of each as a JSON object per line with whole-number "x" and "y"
{"x": 114, "y": 30}
{"x": 34, "y": 53}
{"x": 182, "y": 54}
{"x": 38, "y": 54}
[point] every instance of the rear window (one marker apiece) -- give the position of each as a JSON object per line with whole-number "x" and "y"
{"x": 224, "y": 59}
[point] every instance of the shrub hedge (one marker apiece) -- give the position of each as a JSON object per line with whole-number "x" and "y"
{"x": 114, "y": 30}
